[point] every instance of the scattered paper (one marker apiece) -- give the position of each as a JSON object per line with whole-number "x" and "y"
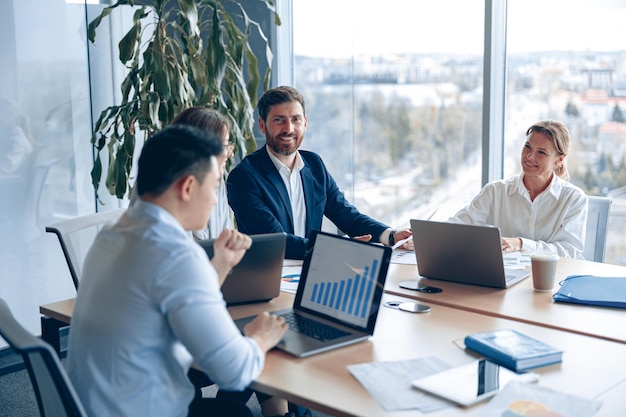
{"x": 390, "y": 383}
{"x": 516, "y": 260}
{"x": 524, "y": 399}
{"x": 403, "y": 257}
{"x": 290, "y": 278}
{"x": 293, "y": 262}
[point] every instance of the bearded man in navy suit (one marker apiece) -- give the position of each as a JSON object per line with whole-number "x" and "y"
{"x": 280, "y": 188}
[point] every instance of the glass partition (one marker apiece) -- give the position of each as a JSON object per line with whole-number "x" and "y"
{"x": 45, "y": 150}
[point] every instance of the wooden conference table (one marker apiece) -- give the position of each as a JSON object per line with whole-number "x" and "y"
{"x": 521, "y": 302}
{"x": 591, "y": 367}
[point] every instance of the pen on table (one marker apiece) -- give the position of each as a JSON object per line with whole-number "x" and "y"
{"x": 402, "y": 242}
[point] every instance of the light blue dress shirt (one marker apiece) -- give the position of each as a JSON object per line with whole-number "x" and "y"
{"x": 148, "y": 304}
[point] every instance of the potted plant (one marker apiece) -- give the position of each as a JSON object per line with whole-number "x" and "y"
{"x": 179, "y": 53}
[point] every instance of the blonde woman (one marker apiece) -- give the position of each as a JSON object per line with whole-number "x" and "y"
{"x": 538, "y": 209}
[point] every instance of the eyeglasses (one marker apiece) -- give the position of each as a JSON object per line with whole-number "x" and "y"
{"x": 229, "y": 148}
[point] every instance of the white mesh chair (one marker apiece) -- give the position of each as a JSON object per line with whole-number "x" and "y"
{"x": 597, "y": 224}
{"x": 76, "y": 236}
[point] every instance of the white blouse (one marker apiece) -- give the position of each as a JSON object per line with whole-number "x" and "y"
{"x": 555, "y": 221}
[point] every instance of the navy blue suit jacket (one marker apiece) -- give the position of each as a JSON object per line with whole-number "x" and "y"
{"x": 260, "y": 201}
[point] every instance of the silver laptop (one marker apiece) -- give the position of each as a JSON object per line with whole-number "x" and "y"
{"x": 338, "y": 295}
{"x": 468, "y": 254}
{"x": 257, "y": 277}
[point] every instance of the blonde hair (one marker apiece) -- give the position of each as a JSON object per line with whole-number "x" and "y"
{"x": 560, "y": 137}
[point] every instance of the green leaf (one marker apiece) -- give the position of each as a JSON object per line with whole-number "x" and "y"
{"x": 127, "y": 44}
{"x": 189, "y": 10}
{"x": 93, "y": 25}
{"x": 190, "y": 52}
{"x": 96, "y": 172}
{"x": 153, "y": 105}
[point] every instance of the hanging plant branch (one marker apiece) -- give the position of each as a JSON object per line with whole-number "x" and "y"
{"x": 196, "y": 55}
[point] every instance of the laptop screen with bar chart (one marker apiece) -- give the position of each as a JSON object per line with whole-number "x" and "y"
{"x": 340, "y": 279}
{"x": 338, "y": 297}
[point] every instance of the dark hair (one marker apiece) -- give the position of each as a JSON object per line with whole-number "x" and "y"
{"x": 279, "y": 95}
{"x": 560, "y": 137}
{"x": 209, "y": 119}
{"x": 172, "y": 153}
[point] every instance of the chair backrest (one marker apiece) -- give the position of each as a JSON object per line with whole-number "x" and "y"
{"x": 76, "y": 236}
{"x": 31, "y": 213}
{"x": 597, "y": 224}
{"x": 54, "y": 391}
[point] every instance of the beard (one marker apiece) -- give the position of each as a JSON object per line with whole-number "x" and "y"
{"x": 282, "y": 147}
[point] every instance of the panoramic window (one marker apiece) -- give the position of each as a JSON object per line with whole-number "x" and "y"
{"x": 394, "y": 100}
{"x": 573, "y": 70}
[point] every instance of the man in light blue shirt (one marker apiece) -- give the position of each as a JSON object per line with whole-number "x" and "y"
{"x": 149, "y": 303}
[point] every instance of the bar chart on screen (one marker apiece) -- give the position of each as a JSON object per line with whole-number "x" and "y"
{"x": 343, "y": 289}
{"x": 350, "y": 295}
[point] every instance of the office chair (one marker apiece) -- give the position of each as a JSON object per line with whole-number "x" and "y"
{"x": 597, "y": 225}
{"x": 76, "y": 236}
{"x": 32, "y": 217}
{"x": 55, "y": 394}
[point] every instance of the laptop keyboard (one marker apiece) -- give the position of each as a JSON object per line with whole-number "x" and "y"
{"x": 312, "y": 328}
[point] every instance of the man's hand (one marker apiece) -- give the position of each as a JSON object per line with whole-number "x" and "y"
{"x": 404, "y": 234}
{"x": 363, "y": 238}
{"x": 229, "y": 248}
{"x": 266, "y": 329}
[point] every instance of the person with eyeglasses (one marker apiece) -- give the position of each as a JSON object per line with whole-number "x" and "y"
{"x": 539, "y": 209}
{"x": 215, "y": 122}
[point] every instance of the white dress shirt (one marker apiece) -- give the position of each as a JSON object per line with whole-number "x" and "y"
{"x": 555, "y": 221}
{"x": 293, "y": 183}
{"x": 148, "y": 304}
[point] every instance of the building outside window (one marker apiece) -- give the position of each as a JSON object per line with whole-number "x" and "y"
{"x": 395, "y": 98}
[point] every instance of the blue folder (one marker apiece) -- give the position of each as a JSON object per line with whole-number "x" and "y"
{"x": 593, "y": 290}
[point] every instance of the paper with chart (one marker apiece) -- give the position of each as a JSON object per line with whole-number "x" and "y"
{"x": 290, "y": 277}
{"x": 403, "y": 257}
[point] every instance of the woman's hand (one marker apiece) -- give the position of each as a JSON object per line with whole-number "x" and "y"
{"x": 511, "y": 244}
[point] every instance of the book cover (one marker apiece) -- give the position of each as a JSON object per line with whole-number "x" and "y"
{"x": 513, "y": 349}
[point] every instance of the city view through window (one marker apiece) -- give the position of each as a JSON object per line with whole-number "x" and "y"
{"x": 395, "y": 98}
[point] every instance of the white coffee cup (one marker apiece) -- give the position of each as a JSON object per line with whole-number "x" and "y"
{"x": 543, "y": 270}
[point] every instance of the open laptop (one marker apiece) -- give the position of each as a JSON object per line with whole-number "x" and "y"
{"x": 469, "y": 254}
{"x": 338, "y": 297}
{"x": 257, "y": 277}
